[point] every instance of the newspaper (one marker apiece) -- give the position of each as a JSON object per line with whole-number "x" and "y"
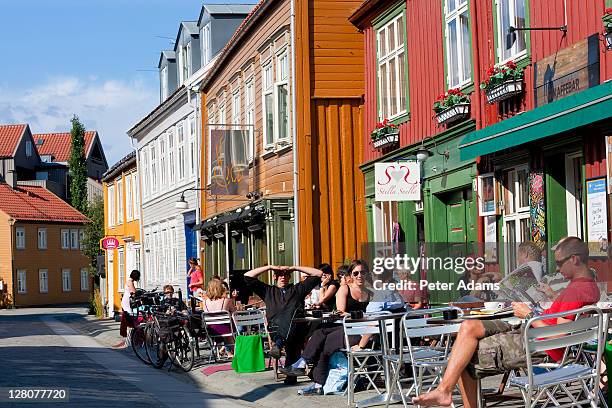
{"x": 521, "y": 285}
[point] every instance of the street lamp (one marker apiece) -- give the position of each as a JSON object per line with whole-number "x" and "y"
{"x": 422, "y": 154}
{"x": 182, "y": 204}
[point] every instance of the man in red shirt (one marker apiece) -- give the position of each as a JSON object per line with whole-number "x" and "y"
{"x": 491, "y": 347}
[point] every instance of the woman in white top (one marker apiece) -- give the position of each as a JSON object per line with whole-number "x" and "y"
{"x": 126, "y": 309}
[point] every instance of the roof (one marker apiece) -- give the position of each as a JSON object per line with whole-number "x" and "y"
{"x": 168, "y": 55}
{"x": 35, "y": 203}
{"x": 228, "y": 8}
{"x": 128, "y": 161}
{"x": 256, "y": 12}
{"x": 58, "y": 144}
{"x": 190, "y": 26}
{"x": 10, "y": 135}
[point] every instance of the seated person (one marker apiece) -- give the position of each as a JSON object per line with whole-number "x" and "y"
{"x": 282, "y": 301}
{"x": 328, "y": 289}
{"x": 329, "y": 339}
{"x": 217, "y": 301}
{"x": 475, "y": 352}
{"x": 343, "y": 278}
{"x": 169, "y": 302}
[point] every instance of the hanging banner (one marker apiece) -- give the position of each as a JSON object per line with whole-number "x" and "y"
{"x": 230, "y": 162}
{"x": 109, "y": 243}
{"x": 597, "y": 217}
{"x": 397, "y": 181}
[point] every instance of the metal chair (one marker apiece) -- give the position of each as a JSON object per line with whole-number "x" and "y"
{"x": 215, "y": 340}
{"x": 427, "y": 362}
{"x": 368, "y": 362}
{"x": 546, "y": 386}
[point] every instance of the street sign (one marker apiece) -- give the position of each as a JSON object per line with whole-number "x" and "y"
{"x": 107, "y": 243}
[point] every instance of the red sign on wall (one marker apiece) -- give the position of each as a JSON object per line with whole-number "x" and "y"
{"x": 107, "y": 243}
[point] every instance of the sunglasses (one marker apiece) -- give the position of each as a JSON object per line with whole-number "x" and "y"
{"x": 357, "y": 273}
{"x": 168, "y": 293}
{"x": 561, "y": 262}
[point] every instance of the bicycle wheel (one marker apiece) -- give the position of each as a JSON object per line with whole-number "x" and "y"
{"x": 155, "y": 348}
{"x": 138, "y": 341}
{"x": 183, "y": 350}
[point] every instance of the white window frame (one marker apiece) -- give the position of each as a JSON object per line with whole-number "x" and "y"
{"x": 193, "y": 154}
{"x": 267, "y": 89}
{"x": 513, "y": 215}
{"x": 84, "y": 280}
{"x": 136, "y": 184}
{"x": 154, "y": 167}
{"x": 66, "y": 283}
{"x": 65, "y": 237}
{"x": 42, "y": 238}
{"x": 20, "y": 238}
{"x": 395, "y": 55}
{"x": 180, "y": 142}
{"x": 282, "y": 80}
{"x": 111, "y": 205}
{"x": 205, "y": 46}
{"x": 450, "y": 16}
{"x": 164, "y": 83}
{"x": 249, "y": 103}
{"x": 501, "y": 36}
{"x": 574, "y": 202}
{"x": 188, "y": 52}
{"x": 171, "y": 157}
{"x": 121, "y": 268}
{"x": 144, "y": 163}
{"x": 163, "y": 151}
{"x": 81, "y": 239}
{"x": 212, "y": 118}
{"x": 21, "y": 282}
{"x": 43, "y": 281}
{"x": 74, "y": 239}
{"x": 120, "y": 201}
{"x": 28, "y": 148}
{"x": 129, "y": 198}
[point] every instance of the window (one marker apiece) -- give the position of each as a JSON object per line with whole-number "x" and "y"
{"x": 205, "y": 38}
{"x": 43, "y": 280}
{"x": 236, "y": 107}
{"x": 65, "y": 239}
{"x": 28, "y": 148}
{"x": 193, "y": 159}
{"x": 20, "y": 238}
{"x": 164, "y": 83}
{"x": 171, "y": 163}
{"x": 136, "y": 184}
{"x": 145, "y": 175}
{"x": 121, "y": 269}
{"x": 21, "y": 281}
{"x": 66, "y": 280}
{"x": 81, "y": 239}
{"x": 282, "y": 95}
{"x": 111, "y": 205}
{"x": 385, "y": 216}
{"x": 84, "y": 280}
{"x": 181, "y": 151}
{"x": 173, "y": 254}
{"x": 153, "y": 168}
{"x": 458, "y": 48}
{"x": 511, "y": 13}
{"x": 42, "y": 238}
{"x": 212, "y": 119}
{"x": 516, "y": 216}
{"x": 268, "y": 104}
{"x": 162, "y": 162}
{"x": 392, "y": 72}
{"x": 74, "y": 239}
{"x": 249, "y": 96}
{"x": 129, "y": 198}
{"x": 222, "y": 112}
{"x": 187, "y": 59}
{"x": 120, "y": 202}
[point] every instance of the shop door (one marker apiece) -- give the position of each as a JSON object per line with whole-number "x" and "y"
{"x": 516, "y": 216}
{"x": 573, "y": 194}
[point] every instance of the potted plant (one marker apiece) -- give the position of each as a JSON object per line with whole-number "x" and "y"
{"x": 451, "y": 106}
{"x": 504, "y": 81}
{"x": 385, "y": 134}
{"x": 607, "y": 23}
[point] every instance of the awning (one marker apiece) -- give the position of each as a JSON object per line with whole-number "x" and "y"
{"x": 569, "y": 113}
{"x": 225, "y": 218}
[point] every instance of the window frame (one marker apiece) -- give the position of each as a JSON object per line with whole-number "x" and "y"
{"x": 154, "y": 166}
{"x": 191, "y": 141}
{"x": 267, "y": 88}
{"x": 523, "y": 58}
{"x": 22, "y": 278}
{"x": 136, "y": 186}
{"x": 74, "y": 238}
{"x": 45, "y": 273}
{"x": 121, "y": 269}
{"x": 66, "y": 283}
{"x": 111, "y": 205}
{"x": 249, "y": 120}
{"x": 129, "y": 198}
{"x": 205, "y": 44}
{"x": 120, "y": 201}
{"x": 280, "y": 81}
{"x": 20, "y": 242}
{"x": 455, "y": 15}
{"x": 144, "y": 163}
{"x": 164, "y": 83}
{"x": 384, "y": 21}
{"x": 163, "y": 151}
{"x": 29, "y": 148}
{"x": 65, "y": 238}
{"x": 84, "y": 274}
{"x": 180, "y": 146}
{"x": 42, "y": 238}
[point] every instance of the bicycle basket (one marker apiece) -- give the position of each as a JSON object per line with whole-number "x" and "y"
{"x": 168, "y": 328}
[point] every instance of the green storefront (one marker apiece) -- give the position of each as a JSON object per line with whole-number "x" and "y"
{"x": 447, "y": 212}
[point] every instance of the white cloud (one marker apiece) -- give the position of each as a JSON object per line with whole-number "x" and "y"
{"x": 111, "y": 107}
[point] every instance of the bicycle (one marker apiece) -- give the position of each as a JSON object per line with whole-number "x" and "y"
{"x": 174, "y": 341}
{"x": 144, "y": 302}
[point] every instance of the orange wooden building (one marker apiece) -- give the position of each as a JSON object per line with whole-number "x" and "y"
{"x": 294, "y": 86}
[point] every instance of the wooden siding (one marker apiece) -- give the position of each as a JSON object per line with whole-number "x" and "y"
{"x": 54, "y": 258}
{"x": 272, "y": 175}
{"x": 7, "y": 235}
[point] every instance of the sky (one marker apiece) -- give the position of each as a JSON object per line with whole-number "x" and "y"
{"x": 96, "y": 59}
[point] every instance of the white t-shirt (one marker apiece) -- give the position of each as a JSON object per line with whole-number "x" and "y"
{"x": 125, "y": 300}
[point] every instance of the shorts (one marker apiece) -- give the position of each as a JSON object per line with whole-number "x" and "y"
{"x": 501, "y": 350}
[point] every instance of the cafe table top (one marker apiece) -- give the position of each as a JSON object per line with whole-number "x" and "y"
{"x": 497, "y": 316}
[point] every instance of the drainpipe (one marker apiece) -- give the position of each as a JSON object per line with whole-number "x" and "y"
{"x": 11, "y": 223}
{"x": 197, "y": 166}
{"x": 296, "y": 222}
{"x": 141, "y": 216}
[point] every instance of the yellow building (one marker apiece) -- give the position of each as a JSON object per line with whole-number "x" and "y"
{"x": 122, "y": 221}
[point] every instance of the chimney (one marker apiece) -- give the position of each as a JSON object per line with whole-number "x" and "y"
{"x": 11, "y": 179}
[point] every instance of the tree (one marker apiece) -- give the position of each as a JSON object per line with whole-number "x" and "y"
{"x": 94, "y": 232}
{"x": 77, "y": 166}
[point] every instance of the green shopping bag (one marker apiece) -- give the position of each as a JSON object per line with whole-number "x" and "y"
{"x": 248, "y": 354}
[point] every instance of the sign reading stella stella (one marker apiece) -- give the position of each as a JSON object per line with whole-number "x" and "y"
{"x": 397, "y": 181}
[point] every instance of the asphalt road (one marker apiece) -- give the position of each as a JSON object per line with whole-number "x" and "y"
{"x": 40, "y": 349}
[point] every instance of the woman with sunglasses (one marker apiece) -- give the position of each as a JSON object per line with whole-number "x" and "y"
{"x": 327, "y": 340}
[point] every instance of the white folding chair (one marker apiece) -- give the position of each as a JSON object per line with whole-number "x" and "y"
{"x": 254, "y": 322}
{"x": 555, "y": 386}
{"x": 427, "y": 362}
{"x": 215, "y": 340}
{"x": 368, "y": 362}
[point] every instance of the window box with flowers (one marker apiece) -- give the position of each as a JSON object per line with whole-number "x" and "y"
{"x": 386, "y": 134}
{"x": 451, "y": 106}
{"x": 607, "y": 23}
{"x": 504, "y": 82}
